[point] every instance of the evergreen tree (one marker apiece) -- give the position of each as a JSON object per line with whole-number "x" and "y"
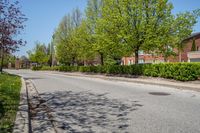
{"x": 194, "y": 48}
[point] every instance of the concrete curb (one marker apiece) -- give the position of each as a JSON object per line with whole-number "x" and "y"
{"x": 22, "y": 117}
{"x": 150, "y": 81}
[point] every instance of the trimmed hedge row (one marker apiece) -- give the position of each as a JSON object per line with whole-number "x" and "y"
{"x": 177, "y": 71}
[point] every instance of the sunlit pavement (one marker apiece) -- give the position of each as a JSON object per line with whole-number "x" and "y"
{"x": 83, "y": 104}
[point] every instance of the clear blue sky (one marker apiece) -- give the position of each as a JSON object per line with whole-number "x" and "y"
{"x": 45, "y": 15}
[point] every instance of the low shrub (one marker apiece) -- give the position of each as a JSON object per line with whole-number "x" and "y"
{"x": 177, "y": 71}
{"x": 35, "y": 68}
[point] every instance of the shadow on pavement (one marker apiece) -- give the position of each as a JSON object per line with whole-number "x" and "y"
{"x": 87, "y": 112}
{"x": 32, "y": 78}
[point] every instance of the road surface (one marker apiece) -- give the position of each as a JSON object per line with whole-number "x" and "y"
{"x": 83, "y": 104}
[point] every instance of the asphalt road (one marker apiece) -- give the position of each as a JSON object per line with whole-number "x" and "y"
{"x": 82, "y": 104}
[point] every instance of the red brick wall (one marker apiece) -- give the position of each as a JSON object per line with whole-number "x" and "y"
{"x": 146, "y": 57}
{"x": 149, "y": 58}
{"x": 17, "y": 64}
{"x": 125, "y": 60}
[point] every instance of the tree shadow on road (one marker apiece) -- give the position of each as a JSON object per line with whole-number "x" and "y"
{"x": 87, "y": 112}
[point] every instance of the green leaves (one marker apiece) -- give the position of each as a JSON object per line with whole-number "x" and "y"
{"x": 112, "y": 29}
{"x": 39, "y": 54}
{"x": 176, "y": 71}
{"x": 65, "y": 38}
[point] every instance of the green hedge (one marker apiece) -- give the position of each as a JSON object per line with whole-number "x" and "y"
{"x": 177, "y": 71}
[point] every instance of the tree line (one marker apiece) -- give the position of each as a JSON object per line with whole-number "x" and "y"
{"x": 112, "y": 29}
{"x": 41, "y": 54}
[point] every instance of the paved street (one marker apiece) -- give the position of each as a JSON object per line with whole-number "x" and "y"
{"x": 83, "y": 104}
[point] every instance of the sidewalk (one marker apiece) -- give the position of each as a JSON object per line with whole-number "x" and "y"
{"x": 190, "y": 85}
{"x": 22, "y": 124}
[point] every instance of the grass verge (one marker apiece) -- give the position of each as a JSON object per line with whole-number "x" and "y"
{"x": 10, "y": 86}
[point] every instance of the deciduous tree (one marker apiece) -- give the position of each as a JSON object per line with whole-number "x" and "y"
{"x": 11, "y": 24}
{"x": 66, "y": 49}
{"x": 93, "y": 14}
{"x": 194, "y": 48}
{"x": 39, "y": 54}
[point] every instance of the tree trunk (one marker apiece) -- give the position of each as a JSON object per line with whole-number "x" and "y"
{"x": 136, "y": 56}
{"x": 179, "y": 53}
{"x": 2, "y": 57}
{"x": 101, "y": 56}
{"x": 73, "y": 61}
{"x": 84, "y": 63}
{"x": 165, "y": 58}
{"x": 52, "y": 60}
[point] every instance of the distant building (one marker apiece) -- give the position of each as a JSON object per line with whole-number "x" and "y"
{"x": 33, "y": 65}
{"x": 17, "y": 64}
{"x": 186, "y": 55}
{"x": 9, "y": 65}
{"x": 22, "y": 63}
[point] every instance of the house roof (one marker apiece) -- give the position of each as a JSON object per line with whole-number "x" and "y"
{"x": 193, "y": 35}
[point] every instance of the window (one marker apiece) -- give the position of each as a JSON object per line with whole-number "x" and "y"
{"x": 129, "y": 62}
{"x": 198, "y": 48}
{"x": 149, "y": 61}
{"x": 141, "y": 61}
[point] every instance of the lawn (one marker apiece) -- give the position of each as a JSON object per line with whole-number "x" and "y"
{"x": 9, "y": 100}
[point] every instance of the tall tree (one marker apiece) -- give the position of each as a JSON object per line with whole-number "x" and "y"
{"x": 136, "y": 23}
{"x": 145, "y": 25}
{"x": 12, "y": 23}
{"x": 73, "y": 45}
{"x": 109, "y": 32}
{"x": 39, "y": 54}
{"x": 66, "y": 49}
{"x": 80, "y": 38}
{"x": 51, "y": 54}
{"x": 93, "y": 14}
{"x": 60, "y": 39}
{"x": 166, "y": 42}
{"x": 116, "y": 28}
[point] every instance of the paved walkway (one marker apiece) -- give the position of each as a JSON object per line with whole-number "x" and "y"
{"x": 22, "y": 117}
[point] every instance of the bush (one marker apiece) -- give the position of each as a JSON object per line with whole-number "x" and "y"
{"x": 177, "y": 71}
{"x": 35, "y": 68}
{"x": 186, "y": 72}
{"x": 65, "y": 68}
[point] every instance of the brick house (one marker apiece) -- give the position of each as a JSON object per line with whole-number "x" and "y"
{"x": 191, "y": 56}
{"x": 22, "y": 63}
{"x": 186, "y": 55}
{"x": 17, "y": 64}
